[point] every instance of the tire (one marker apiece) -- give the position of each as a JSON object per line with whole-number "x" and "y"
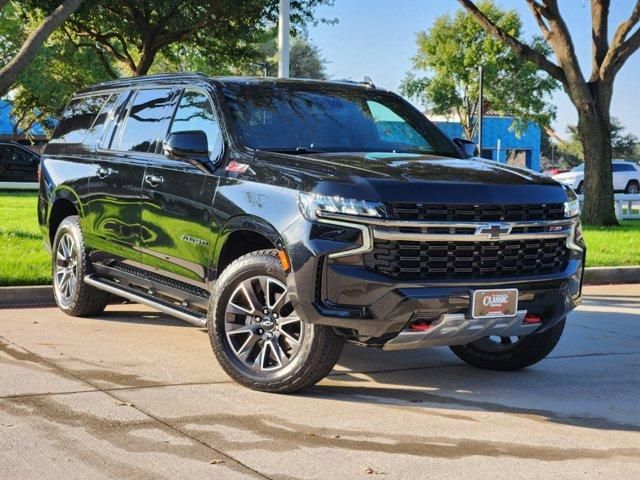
{"x": 633, "y": 188}
{"x": 580, "y": 189}
{"x": 524, "y": 352}
{"x": 275, "y": 351}
{"x": 69, "y": 266}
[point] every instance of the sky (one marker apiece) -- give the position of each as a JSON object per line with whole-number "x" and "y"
{"x": 377, "y": 38}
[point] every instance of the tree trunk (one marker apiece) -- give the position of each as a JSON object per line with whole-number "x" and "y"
{"x": 145, "y": 63}
{"x": 595, "y": 133}
{"x": 12, "y": 70}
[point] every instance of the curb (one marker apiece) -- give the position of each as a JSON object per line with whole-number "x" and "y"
{"x": 611, "y": 275}
{"x": 42, "y": 295}
{"x": 35, "y": 296}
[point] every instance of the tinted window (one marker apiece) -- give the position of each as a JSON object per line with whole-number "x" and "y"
{"x": 77, "y": 118}
{"x": 148, "y": 120}
{"x": 623, "y": 167}
{"x": 17, "y": 164}
{"x": 195, "y": 113}
{"x": 95, "y": 132}
{"x": 291, "y": 119}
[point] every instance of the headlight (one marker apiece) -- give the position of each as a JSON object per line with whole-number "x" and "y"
{"x": 572, "y": 208}
{"x": 313, "y": 205}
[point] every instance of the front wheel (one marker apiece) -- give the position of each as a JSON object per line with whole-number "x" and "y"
{"x": 580, "y": 189}
{"x": 256, "y": 334}
{"x": 510, "y": 353}
{"x": 633, "y": 188}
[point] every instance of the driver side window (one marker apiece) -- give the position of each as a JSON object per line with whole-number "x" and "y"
{"x": 195, "y": 112}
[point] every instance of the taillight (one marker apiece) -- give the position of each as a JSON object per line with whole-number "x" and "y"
{"x": 39, "y": 173}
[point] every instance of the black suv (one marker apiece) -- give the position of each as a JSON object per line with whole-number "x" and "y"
{"x": 290, "y": 216}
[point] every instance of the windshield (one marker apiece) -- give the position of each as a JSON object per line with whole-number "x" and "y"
{"x": 320, "y": 118}
{"x": 579, "y": 168}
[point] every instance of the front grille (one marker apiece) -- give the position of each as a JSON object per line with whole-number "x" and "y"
{"x": 476, "y": 213}
{"x": 407, "y": 260}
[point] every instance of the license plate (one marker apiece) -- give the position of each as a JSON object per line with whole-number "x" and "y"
{"x": 494, "y": 303}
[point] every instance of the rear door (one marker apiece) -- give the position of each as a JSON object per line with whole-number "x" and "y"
{"x": 178, "y": 198}
{"x": 126, "y": 148}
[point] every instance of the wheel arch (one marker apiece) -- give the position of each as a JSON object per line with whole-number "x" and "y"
{"x": 242, "y": 235}
{"x": 64, "y": 203}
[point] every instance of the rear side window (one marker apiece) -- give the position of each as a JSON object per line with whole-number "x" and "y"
{"x": 623, "y": 167}
{"x": 147, "y": 121}
{"x": 77, "y": 119}
{"x": 94, "y": 135}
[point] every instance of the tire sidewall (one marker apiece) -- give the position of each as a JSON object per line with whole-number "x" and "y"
{"x": 246, "y": 267}
{"x": 71, "y": 226}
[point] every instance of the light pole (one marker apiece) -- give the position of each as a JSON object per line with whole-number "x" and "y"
{"x": 283, "y": 39}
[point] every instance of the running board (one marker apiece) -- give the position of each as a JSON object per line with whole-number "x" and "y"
{"x": 137, "y": 296}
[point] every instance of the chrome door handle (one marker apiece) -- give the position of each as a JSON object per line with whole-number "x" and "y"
{"x": 153, "y": 180}
{"x": 103, "y": 172}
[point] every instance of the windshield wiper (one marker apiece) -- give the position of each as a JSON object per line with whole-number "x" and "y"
{"x": 296, "y": 151}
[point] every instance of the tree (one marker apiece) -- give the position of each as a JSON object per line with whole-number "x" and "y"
{"x": 10, "y": 72}
{"x": 305, "y": 58}
{"x": 450, "y": 53}
{"x": 40, "y": 93}
{"x": 591, "y": 95}
{"x": 135, "y": 32}
{"x": 624, "y": 145}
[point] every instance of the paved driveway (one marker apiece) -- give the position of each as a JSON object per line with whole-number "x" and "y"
{"x": 135, "y": 394}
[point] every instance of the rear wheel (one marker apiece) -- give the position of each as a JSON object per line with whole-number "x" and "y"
{"x": 69, "y": 267}
{"x": 510, "y": 353}
{"x": 256, "y": 334}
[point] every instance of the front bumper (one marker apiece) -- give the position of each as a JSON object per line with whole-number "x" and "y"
{"x": 372, "y": 309}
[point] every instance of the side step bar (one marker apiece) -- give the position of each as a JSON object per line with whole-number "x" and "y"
{"x": 134, "y": 295}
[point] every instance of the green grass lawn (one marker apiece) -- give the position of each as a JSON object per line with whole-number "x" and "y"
{"x": 24, "y": 261}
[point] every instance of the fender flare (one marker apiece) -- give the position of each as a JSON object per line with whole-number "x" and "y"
{"x": 249, "y": 223}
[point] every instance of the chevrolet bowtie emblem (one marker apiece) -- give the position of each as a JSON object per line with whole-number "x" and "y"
{"x": 494, "y": 230}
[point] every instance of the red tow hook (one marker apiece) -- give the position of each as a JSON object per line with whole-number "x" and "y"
{"x": 531, "y": 319}
{"x": 420, "y": 326}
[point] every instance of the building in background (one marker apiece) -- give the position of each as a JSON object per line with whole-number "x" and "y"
{"x": 37, "y": 135}
{"x": 499, "y": 142}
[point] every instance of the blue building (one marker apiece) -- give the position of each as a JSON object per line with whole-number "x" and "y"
{"x": 36, "y": 134}
{"x": 501, "y": 144}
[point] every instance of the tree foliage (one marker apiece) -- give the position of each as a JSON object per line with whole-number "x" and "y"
{"x": 56, "y": 72}
{"x": 624, "y": 145}
{"x": 305, "y": 58}
{"x": 590, "y": 92}
{"x": 27, "y": 48}
{"x": 132, "y": 33}
{"x": 445, "y": 71}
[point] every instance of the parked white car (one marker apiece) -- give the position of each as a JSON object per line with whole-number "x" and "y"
{"x": 626, "y": 177}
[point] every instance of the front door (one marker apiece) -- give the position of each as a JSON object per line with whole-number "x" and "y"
{"x": 178, "y": 197}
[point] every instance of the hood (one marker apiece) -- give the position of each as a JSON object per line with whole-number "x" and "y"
{"x": 393, "y": 177}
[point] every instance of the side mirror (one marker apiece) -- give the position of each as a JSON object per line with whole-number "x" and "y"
{"x": 188, "y": 145}
{"x": 469, "y": 147}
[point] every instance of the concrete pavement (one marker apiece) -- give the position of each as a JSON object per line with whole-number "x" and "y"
{"x": 136, "y": 394}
